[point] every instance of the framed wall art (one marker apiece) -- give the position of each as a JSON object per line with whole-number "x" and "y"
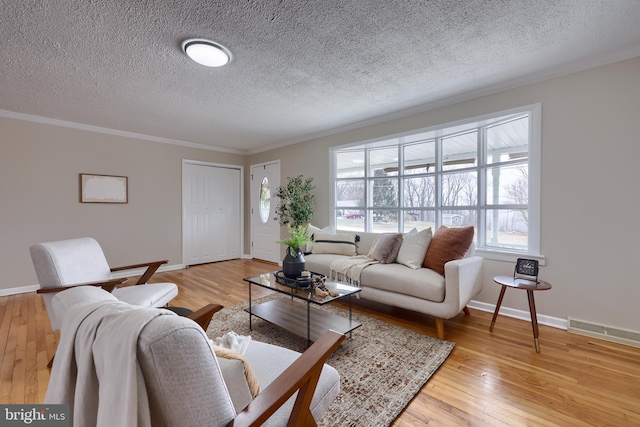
{"x": 103, "y": 188}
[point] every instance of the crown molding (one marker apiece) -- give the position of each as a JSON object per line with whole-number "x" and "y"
{"x": 116, "y": 132}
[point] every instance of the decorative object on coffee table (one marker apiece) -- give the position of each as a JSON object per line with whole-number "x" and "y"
{"x": 308, "y": 281}
{"x": 293, "y": 263}
{"x": 295, "y": 210}
{"x": 303, "y": 282}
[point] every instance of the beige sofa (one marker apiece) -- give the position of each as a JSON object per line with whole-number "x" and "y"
{"x": 422, "y": 290}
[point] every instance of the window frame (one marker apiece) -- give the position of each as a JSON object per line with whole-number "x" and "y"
{"x": 534, "y": 111}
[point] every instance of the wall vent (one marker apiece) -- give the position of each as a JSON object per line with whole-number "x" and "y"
{"x": 607, "y": 333}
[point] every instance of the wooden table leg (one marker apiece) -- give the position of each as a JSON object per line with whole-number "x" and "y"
{"x": 495, "y": 315}
{"x": 534, "y": 319}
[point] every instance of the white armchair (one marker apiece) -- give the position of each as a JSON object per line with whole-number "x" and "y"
{"x": 66, "y": 263}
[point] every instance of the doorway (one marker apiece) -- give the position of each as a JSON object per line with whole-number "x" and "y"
{"x": 265, "y": 229}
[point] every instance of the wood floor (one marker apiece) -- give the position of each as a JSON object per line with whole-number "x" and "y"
{"x": 490, "y": 379}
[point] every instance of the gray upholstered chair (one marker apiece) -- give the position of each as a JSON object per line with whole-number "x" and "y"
{"x": 67, "y": 263}
{"x": 188, "y": 386}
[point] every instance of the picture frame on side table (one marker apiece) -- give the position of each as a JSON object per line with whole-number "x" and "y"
{"x": 103, "y": 188}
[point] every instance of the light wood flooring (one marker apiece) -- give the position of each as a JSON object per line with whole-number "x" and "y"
{"x": 490, "y": 379}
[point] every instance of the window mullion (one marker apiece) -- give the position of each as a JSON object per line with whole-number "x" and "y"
{"x": 400, "y": 206}
{"x": 438, "y": 183}
{"x": 367, "y": 189}
{"x": 481, "y": 230}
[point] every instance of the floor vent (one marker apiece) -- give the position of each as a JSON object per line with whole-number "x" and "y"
{"x": 608, "y": 333}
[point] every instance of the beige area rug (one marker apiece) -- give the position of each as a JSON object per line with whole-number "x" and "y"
{"x": 381, "y": 368}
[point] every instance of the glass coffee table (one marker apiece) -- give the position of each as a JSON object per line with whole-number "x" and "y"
{"x": 301, "y": 318}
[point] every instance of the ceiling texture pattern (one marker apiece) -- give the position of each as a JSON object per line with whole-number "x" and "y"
{"x": 300, "y": 69}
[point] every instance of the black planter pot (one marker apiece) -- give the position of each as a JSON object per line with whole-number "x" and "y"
{"x": 293, "y": 265}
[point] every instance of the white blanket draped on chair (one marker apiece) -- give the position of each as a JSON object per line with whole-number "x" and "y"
{"x": 96, "y": 340}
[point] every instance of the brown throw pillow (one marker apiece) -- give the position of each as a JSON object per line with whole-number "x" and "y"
{"x": 386, "y": 247}
{"x": 448, "y": 244}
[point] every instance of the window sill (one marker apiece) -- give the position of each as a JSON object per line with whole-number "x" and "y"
{"x": 508, "y": 256}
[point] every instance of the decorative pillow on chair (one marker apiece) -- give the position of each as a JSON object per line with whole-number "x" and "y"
{"x": 386, "y": 248}
{"x": 414, "y": 248}
{"x": 340, "y": 244}
{"x": 448, "y": 244}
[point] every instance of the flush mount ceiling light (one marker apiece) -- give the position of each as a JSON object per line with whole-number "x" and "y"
{"x": 206, "y": 52}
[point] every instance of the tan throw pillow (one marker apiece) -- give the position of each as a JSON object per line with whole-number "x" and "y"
{"x": 386, "y": 247}
{"x": 339, "y": 244}
{"x": 414, "y": 248}
{"x": 252, "y": 380}
{"x": 448, "y": 244}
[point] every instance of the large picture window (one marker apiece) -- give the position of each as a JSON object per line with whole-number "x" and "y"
{"x": 483, "y": 172}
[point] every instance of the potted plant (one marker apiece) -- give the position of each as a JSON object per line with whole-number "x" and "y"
{"x": 295, "y": 210}
{"x": 293, "y": 263}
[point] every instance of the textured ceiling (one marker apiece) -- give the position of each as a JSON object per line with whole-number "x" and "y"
{"x": 300, "y": 68}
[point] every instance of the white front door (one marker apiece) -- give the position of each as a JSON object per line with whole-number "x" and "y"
{"x": 265, "y": 229}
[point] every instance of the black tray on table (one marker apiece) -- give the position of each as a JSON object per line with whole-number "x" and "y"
{"x": 300, "y": 282}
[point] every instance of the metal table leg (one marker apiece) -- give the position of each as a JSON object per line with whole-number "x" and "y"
{"x": 250, "y": 315}
{"x": 308, "y": 324}
{"x": 350, "y": 318}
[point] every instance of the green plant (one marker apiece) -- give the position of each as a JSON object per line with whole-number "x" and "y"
{"x": 299, "y": 238}
{"x": 296, "y": 202}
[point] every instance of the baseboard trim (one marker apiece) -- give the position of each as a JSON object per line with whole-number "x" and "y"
{"x": 19, "y": 290}
{"x": 140, "y": 271}
{"x": 119, "y": 275}
{"x": 543, "y": 319}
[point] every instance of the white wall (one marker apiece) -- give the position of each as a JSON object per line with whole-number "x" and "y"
{"x": 39, "y": 195}
{"x": 590, "y": 202}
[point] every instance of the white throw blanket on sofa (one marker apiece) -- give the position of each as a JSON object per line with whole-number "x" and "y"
{"x": 96, "y": 370}
{"x": 349, "y": 269}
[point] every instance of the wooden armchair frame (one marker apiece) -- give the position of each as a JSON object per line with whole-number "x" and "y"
{"x": 110, "y": 285}
{"x": 151, "y": 269}
{"x": 203, "y": 316}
